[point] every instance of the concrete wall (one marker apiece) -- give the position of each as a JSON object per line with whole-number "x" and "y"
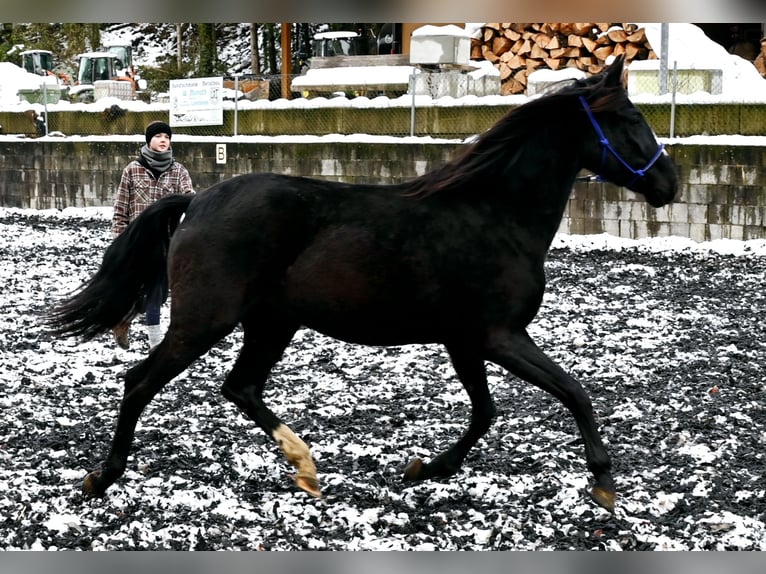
{"x": 723, "y": 188}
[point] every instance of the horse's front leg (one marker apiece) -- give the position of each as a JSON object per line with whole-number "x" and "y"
{"x": 517, "y": 353}
{"x": 469, "y": 366}
{"x": 264, "y": 344}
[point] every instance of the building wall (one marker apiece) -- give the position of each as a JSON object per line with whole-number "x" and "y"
{"x": 723, "y": 188}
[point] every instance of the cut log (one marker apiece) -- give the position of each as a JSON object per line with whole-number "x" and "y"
{"x": 553, "y": 63}
{"x": 582, "y": 28}
{"x": 589, "y": 44}
{"x": 542, "y": 40}
{"x": 500, "y": 45}
{"x": 617, "y": 35}
{"x": 488, "y": 54}
{"x": 638, "y": 37}
{"x": 547, "y": 29}
{"x": 538, "y": 52}
{"x": 505, "y": 71}
{"x": 511, "y": 86}
{"x": 516, "y": 61}
{"x": 760, "y": 64}
{"x": 569, "y": 52}
{"x": 603, "y": 52}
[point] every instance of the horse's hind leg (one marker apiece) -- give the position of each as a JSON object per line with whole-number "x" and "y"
{"x": 469, "y": 366}
{"x": 517, "y": 353}
{"x": 244, "y": 387}
{"x": 142, "y": 383}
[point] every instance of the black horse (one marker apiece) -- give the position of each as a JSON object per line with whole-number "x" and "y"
{"x": 453, "y": 257}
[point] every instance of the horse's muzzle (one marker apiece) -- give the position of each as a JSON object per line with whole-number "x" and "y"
{"x": 660, "y": 184}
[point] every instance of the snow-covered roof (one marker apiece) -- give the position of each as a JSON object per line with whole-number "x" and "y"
{"x": 333, "y": 35}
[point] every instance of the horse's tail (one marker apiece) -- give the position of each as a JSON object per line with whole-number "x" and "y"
{"x": 134, "y": 262}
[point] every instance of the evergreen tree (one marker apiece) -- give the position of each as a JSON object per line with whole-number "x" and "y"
{"x": 207, "y": 50}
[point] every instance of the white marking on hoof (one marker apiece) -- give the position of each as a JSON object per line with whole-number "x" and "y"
{"x": 298, "y": 454}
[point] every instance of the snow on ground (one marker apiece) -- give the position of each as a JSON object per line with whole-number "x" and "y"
{"x": 665, "y": 335}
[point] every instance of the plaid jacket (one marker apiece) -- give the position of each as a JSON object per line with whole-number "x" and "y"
{"x": 138, "y": 189}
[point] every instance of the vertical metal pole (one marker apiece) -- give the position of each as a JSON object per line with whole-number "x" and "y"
{"x": 412, "y": 107}
{"x": 673, "y": 100}
{"x": 664, "y": 37}
{"x": 45, "y": 106}
{"x": 236, "y": 99}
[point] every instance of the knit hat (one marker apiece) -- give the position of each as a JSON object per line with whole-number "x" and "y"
{"x": 155, "y": 128}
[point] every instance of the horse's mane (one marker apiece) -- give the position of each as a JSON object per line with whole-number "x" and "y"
{"x": 495, "y": 150}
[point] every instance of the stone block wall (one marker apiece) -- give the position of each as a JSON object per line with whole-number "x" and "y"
{"x": 723, "y": 196}
{"x": 723, "y": 188}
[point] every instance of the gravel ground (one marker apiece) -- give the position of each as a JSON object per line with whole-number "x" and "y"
{"x": 666, "y": 337}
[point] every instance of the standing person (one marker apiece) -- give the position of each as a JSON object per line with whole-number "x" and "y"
{"x": 152, "y": 175}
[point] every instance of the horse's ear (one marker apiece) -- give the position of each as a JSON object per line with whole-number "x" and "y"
{"x": 614, "y": 73}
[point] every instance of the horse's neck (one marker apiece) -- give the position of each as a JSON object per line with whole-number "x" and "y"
{"x": 536, "y": 199}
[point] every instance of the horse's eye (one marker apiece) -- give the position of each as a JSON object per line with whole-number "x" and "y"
{"x": 632, "y": 117}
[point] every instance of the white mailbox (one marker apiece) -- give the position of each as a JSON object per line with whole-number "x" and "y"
{"x": 432, "y": 45}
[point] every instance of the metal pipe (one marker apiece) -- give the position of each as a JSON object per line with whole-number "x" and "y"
{"x": 664, "y": 37}
{"x": 236, "y": 99}
{"x": 412, "y": 108}
{"x": 673, "y": 99}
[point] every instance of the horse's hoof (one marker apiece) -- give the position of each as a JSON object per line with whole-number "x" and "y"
{"x": 413, "y": 469}
{"x": 310, "y": 485}
{"x": 603, "y": 497}
{"x": 91, "y": 487}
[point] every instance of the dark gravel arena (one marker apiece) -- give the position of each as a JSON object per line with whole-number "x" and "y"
{"x": 667, "y": 337}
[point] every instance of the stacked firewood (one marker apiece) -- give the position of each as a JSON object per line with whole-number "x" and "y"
{"x": 519, "y": 49}
{"x": 760, "y": 59}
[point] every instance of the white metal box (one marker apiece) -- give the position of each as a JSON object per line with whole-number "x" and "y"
{"x": 430, "y": 45}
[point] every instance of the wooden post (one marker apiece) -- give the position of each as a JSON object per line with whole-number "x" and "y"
{"x": 287, "y": 60}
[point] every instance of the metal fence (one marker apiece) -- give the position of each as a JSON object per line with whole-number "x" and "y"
{"x": 442, "y": 108}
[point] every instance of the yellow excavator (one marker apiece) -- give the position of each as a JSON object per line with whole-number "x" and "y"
{"x": 112, "y": 63}
{"x": 40, "y": 62}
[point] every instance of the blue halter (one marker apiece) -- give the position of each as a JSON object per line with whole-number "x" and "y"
{"x": 606, "y": 146}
